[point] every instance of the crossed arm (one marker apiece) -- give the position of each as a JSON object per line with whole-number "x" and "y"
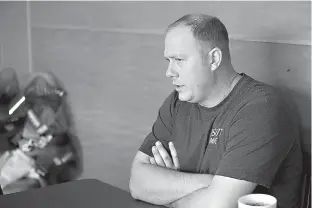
{"x": 157, "y": 180}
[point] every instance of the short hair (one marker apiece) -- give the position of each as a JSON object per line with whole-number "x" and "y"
{"x": 209, "y": 31}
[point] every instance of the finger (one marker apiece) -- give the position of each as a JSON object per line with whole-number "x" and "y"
{"x": 164, "y": 155}
{"x": 152, "y": 161}
{"x": 157, "y": 157}
{"x": 174, "y": 155}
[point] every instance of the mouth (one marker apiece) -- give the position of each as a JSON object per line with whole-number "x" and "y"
{"x": 179, "y": 87}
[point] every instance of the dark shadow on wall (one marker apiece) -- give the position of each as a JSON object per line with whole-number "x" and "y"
{"x": 291, "y": 99}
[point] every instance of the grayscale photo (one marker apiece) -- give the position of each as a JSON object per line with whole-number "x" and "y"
{"x": 142, "y": 104}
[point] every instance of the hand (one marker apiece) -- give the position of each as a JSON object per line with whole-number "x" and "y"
{"x": 162, "y": 158}
{"x": 14, "y": 166}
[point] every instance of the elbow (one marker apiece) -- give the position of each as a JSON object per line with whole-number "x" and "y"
{"x": 135, "y": 184}
{"x": 134, "y": 196}
{"x": 138, "y": 192}
{"x": 133, "y": 189}
{"x": 139, "y": 187}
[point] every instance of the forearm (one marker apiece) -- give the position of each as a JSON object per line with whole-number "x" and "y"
{"x": 223, "y": 192}
{"x": 206, "y": 197}
{"x": 194, "y": 200}
{"x": 161, "y": 186}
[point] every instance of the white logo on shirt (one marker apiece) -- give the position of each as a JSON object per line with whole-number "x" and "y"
{"x": 214, "y": 135}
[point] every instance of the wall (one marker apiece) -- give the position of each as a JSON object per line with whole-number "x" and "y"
{"x": 110, "y": 55}
{"x": 264, "y": 21}
{"x": 14, "y": 38}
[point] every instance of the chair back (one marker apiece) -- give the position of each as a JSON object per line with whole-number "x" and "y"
{"x": 306, "y": 182}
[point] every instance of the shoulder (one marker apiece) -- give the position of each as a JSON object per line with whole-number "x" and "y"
{"x": 255, "y": 89}
{"x": 255, "y": 94}
{"x": 262, "y": 103}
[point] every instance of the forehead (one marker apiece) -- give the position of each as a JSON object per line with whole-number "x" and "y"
{"x": 180, "y": 40}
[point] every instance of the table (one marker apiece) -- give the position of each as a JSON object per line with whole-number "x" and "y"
{"x": 84, "y": 193}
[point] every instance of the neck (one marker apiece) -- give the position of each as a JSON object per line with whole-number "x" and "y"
{"x": 224, "y": 80}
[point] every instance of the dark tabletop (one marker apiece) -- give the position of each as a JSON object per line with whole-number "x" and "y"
{"x": 85, "y": 193}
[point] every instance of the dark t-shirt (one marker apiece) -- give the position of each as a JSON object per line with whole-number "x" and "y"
{"x": 248, "y": 136}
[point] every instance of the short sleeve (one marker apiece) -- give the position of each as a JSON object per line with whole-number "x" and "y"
{"x": 260, "y": 137}
{"x": 162, "y": 127}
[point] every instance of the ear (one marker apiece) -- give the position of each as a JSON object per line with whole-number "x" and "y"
{"x": 215, "y": 56}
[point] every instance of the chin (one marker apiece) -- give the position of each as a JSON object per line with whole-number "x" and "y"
{"x": 185, "y": 97}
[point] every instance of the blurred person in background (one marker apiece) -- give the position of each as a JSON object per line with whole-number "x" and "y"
{"x": 38, "y": 137}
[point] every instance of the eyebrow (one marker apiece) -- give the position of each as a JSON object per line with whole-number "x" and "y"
{"x": 174, "y": 56}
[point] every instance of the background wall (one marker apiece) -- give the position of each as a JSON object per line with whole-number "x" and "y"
{"x": 14, "y": 38}
{"x": 110, "y": 55}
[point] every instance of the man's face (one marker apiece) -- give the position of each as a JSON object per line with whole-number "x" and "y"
{"x": 191, "y": 77}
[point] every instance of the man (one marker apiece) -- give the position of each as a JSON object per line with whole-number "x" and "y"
{"x": 220, "y": 135}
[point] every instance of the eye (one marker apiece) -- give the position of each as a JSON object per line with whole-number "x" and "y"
{"x": 178, "y": 59}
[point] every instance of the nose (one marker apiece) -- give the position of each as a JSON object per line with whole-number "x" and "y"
{"x": 171, "y": 72}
